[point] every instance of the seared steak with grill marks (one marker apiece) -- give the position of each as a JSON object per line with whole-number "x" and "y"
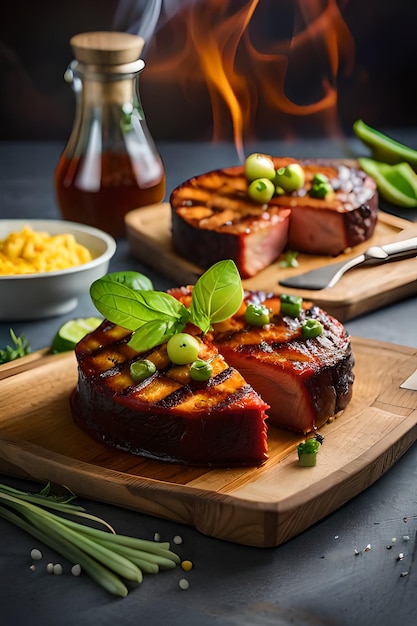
{"x": 213, "y": 217}
{"x": 258, "y": 372}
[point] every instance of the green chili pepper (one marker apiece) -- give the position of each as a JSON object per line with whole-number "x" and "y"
{"x": 396, "y": 183}
{"x": 311, "y": 328}
{"x": 291, "y": 305}
{"x": 384, "y": 148}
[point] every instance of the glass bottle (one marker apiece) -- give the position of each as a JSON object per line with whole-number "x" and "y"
{"x": 110, "y": 164}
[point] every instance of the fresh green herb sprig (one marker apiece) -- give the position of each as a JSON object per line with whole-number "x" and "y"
{"x": 290, "y": 259}
{"x": 108, "y": 558}
{"x": 20, "y": 348}
{"x": 155, "y": 316}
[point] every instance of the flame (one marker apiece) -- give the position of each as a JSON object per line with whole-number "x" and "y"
{"x": 247, "y": 78}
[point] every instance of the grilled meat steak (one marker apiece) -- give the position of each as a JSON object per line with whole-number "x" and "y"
{"x": 167, "y": 416}
{"x": 258, "y": 372}
{"x": 213, "y": 217}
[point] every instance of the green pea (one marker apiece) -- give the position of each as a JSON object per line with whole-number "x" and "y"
{"x": 201, "y": 370}
{"x": 257, "y": 314}
{"x": 259, "y": 166}
{"x": 290, "y": 178}
{"x": 182, "y": 348}
{"x": 140, "y": 370}
{"x": 261, "y": 190}
{"x": 311, "y": 328}
{"x": 291, "y": 305}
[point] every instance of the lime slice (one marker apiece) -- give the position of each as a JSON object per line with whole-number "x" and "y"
{"x": 70, "y": 333}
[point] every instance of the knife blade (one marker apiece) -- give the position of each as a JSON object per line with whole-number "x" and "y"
{"x": 328, "y": 275}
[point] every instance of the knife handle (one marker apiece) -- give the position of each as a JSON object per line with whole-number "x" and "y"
{"x": 391, "y": 251}
{"x": 402, "y": 248}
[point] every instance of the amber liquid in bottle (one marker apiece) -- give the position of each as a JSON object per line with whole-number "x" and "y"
{"x": 104, "y": 201}
{"x": 110, "y": 165}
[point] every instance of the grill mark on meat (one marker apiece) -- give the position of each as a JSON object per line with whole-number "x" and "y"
{"x": 221, "y": 377}
{"x": 175, "y": 398}
{"x": 236, "y": 396}
{"x": 179, "y": 395}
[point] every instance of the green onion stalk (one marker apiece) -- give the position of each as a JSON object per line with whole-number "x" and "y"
{"x": 108, "y": 558}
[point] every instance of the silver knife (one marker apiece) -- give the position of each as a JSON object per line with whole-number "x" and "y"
{"x": 328, "y": 275}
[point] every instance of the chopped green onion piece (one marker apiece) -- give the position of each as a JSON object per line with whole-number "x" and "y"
{"x": 311, "y": 328}
{"x": 307, "y": 452}
{"x": 291, "y": 305}
{"x": 257, "y": 314}
{"x": 201, "y": 370}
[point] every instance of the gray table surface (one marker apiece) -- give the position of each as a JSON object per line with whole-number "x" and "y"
{"x": 314, "y": 579}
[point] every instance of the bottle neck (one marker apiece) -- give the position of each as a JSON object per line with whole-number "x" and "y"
{"x": 101, "y": 85}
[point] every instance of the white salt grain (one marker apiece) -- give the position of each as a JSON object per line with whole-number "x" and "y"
{"x": 76, "y": 569}
{"x": 36, "y": 554}
{"x": 183, "y": 583}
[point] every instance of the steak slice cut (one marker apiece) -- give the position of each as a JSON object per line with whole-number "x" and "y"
{"x": 213, "y": 218}
{"x": 305, "y": 381}
{"x": 168, "y": 416}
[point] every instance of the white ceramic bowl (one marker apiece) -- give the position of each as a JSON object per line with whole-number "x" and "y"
{"x": 36, "y": 296}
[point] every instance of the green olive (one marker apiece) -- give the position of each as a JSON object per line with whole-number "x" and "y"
{"x": 201, "y": 370}
{"x": 259, "y": 166}
{"x": 182, "y": 348}
{"x": 140, "y": 370}
{"x": 290, "y": 178}
{"x": 261, "y": 190}
{"x": 257, "y": 314}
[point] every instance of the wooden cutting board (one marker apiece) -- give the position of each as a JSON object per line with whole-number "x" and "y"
{"x": 148, "y": 232}
{"x": 262, "y": 506}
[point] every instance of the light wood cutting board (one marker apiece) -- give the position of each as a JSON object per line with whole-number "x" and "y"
{"x": 148, "y": 232}
{"x": 262, "y": 506}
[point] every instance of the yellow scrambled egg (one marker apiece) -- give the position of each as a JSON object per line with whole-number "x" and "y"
{"x": 29, "y": 252}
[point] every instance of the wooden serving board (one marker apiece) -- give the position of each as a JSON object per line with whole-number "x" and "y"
{"x": 261, "y": 506}
{"x": 360, "y": 290}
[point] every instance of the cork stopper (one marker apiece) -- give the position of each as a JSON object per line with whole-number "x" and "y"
{"x": 106, "y": 48}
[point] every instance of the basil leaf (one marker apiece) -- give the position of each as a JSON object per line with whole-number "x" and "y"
{"x": 217, "y": 295}
{"x": 153, "y": 333}
{"x": 132, "y": 309}
{"x": 135, "y": 280}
